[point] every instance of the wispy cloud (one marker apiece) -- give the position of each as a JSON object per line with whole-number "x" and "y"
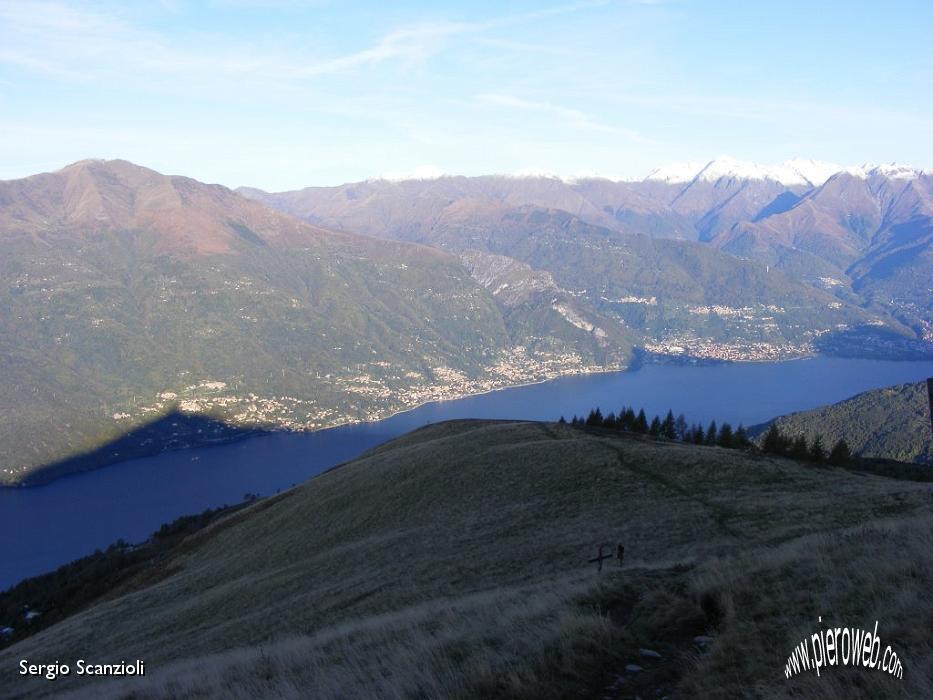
{"x": 71, "y": 42}
{"x": 415, "y": 43}
{"x": 571, "y": 117}
{"x": 528, "y": 47}
{"x": 420, "y": 41}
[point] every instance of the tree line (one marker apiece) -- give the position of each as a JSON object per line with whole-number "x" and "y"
{"x": 720, "y": 435}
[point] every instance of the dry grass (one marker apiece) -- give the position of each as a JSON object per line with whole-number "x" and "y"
{"x": 771, "y": 599}
{"x": 452, "y": 563}
{"x": 515, "y": 643}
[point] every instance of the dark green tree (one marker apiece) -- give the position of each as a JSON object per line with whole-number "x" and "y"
{"x": 725, "y": 438}
{"x": 641, "y": 422}
{"x": 799, "y": 449}
{"x": 562, "y": 421}
{"x": 711, "y": 434}
{"x": 741, "y": 437}
{"x": 817, "y": 451}
{"x": 696, "y": 434}
{"x": 840, "y": 455}
{"x": 595, "y": 419}
{"x": 669, "y": 426}
{"x": 681, "y": 427}
{"x": 655, "y": 429}
{"x": 774, "y": 441}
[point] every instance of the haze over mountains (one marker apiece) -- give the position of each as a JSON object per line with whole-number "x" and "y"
{"x": 131, "y": 293}
{"x": 863, "y": 233}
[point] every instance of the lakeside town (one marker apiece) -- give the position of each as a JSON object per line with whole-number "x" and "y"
{"x": 374, "y": 392}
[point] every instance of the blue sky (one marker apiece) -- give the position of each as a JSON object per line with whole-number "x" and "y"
{"x": 282, "y": 94}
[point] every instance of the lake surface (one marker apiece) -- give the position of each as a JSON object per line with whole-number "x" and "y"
{"x": 45, "y": 526}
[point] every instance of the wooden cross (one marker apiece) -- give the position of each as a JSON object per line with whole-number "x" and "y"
{"x": 600, "y": 557}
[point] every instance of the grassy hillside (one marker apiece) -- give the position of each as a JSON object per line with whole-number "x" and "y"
{"x": 453, "y": 562}
{"x": 893, "y": 423}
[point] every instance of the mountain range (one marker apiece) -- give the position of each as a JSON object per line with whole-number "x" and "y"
{"x": 863, "y": 233}
{"x": 129, "y": 294}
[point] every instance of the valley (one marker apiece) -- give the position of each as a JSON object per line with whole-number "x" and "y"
{"x": 133, "y": 294}
{"x": 569, "y": 350}
{"x": 186, "y": 463}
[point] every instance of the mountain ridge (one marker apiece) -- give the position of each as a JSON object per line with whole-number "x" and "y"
{"x": 862, "y": 233}
{"x": 890, "y": 423}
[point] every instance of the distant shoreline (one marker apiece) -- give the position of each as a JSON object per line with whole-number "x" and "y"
{"x": 640, "y": 359}
{"x": 35, "y": 481}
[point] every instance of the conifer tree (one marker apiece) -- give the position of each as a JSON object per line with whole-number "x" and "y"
{"x": 817, "y": 452}
{"x": 725, "y": 438}
{"x": 774, "y": 441}
{"x": 681, "y": 427}
{"x": 799, "y": 448}
{"x": 595, "y": 419}
{"x": 741, "y": 437}
{"x": 655, "y": 429}
{"x": 840, "y": 455}
{"x": 711, "y": 434}
{"x": 641, "y": 422}
{"x": 697, "y": 435}
{"x": 669, "y": 427}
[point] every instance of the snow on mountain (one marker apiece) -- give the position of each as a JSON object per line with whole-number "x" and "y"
{"x": 816, "y": 172}
{"x": 892, "y": 171}
{"x": 896, "y": 171}
{"x": 676, "y": 172}
{"x": 791, "y": 172}
{"x": 746, "y": 170}
{"x": 794, "y": 172}
{"x": 422, "y": 172}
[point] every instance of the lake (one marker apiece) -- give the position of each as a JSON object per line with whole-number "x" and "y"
{"x": 45, "y": 526}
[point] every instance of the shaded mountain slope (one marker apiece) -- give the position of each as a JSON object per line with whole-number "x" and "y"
{"x": 454, "y": 561}
{"x": 893, "y": 423}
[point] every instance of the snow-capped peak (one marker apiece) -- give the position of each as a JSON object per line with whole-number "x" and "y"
{"x": 816, "y": 172}
{"x": 791, "y": 172}
{"x": 575, "y": 178}
{"x": 896, "y": 171}
{"x": 533, "y": 174}
{"x": 892, "y": 171}
{"x": 726, "y": 166}
{"x": 675, "y": 172}
{"x": 422, "y": 172}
